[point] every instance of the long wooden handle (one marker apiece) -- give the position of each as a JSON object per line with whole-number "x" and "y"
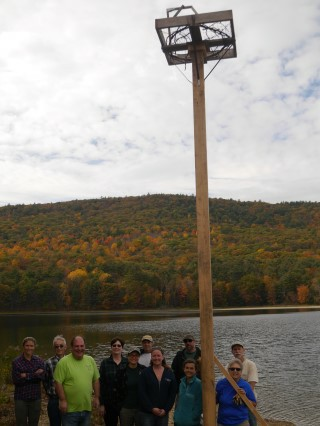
{"x": 243, "y": 397}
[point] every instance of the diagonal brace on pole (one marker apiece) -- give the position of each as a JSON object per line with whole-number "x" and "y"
{"x": 236, "y": 388}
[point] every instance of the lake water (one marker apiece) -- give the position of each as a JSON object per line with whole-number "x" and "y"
{"x": 285, "y": 347}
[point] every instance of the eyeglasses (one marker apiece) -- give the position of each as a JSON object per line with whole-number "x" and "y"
{"x": 188, "y": 340}
{"x": 117, "y": 346}
{"x": 234, "y": 369}
{"x": 59, "y": 346}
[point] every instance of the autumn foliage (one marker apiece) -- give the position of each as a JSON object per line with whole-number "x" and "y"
{"x": 140, "y": 252}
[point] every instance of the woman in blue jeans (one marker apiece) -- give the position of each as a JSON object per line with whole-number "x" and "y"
{"x": 157, "y": 391}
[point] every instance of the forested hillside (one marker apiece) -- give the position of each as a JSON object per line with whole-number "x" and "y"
{"x": 140, "y": 252}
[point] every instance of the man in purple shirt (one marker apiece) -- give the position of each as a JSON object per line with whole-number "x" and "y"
{"x": 27, "y": 373}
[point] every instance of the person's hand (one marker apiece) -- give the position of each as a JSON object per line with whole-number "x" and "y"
{"x": 102, "y": 410}
{"x": 39, "y": 371}
{"x": 63, "y": 406}
{"x": 162, "y": 412}
{"x": 237, "y": 398}
{"x": 23, "y": 375}
{"x": 96, "y": 402}
{"x": 156, "y": 411}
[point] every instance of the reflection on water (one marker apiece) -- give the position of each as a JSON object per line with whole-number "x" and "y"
{"x": 284, "y": 347}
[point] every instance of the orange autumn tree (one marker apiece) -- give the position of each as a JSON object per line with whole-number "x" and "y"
{"x": 76, "y": 284}
{"x": 302, "y": 294}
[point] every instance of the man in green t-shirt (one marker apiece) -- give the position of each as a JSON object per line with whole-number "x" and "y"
{"x": 76, "y": 375}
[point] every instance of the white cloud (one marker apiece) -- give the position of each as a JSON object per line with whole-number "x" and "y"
{"x": 90, "y": 108}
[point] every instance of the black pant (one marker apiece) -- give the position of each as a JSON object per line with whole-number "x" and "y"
{"x": 111, "y": 416}
{"x": 54, "y": 412}
{"x": 27, "y": 412}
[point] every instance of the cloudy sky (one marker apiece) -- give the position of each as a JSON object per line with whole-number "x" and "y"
{"x": 89, "y": 107}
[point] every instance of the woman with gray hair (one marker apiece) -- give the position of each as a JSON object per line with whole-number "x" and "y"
{"x": 232, "y": 411}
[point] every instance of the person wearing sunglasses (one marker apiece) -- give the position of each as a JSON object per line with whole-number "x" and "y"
{"x": 232, "y": 411}
{"x": 54, "y": 414}
{"x": 190, "y": 351}
{"x": 111, "y": 394}
{"x": 249, "y": 372}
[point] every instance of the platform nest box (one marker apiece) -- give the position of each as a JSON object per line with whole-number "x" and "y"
{"x": 180, "y": 34}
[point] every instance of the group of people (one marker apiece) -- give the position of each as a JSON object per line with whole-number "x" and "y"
{"x": 139, "y": 389}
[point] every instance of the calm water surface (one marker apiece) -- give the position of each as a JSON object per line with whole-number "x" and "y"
{"x": 284, "y": 346}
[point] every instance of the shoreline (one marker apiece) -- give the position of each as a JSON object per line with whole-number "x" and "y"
{"x": 170, "y": 310}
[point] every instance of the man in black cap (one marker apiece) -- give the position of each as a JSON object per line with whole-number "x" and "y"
{"x": 190, "y": 351}
{"x": 128, "y": 379}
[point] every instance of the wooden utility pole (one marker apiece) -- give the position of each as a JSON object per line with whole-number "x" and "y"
{"x": 196, "y": 39}
{"x": 198, "y": 53}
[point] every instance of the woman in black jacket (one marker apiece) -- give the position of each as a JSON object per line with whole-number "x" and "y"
{"x": 110, "y": 395}
{"x": 157, "y": 391}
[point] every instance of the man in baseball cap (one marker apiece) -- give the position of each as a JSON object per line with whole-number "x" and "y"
{"x": 145, "y": 352}
{"x": 190, "y": 351}
{"x": 128, "y": 380}
{"x": 237, "y": 343}
{"x": 133, "y": 351}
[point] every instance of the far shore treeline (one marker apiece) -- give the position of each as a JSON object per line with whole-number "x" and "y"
{"x": 141, "y": 252}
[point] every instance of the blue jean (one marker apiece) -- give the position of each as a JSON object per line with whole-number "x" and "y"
{"x": 54, "y": 413}
{"x": 252, "y": 419}
{"x": 79, "y": 418}
{"x": 149, "y": 419}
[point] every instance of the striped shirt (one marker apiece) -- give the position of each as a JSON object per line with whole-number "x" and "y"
{"x": 48, "y": 382}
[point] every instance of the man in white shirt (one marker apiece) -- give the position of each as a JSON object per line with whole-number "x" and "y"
{"x": 145, "y": 352}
